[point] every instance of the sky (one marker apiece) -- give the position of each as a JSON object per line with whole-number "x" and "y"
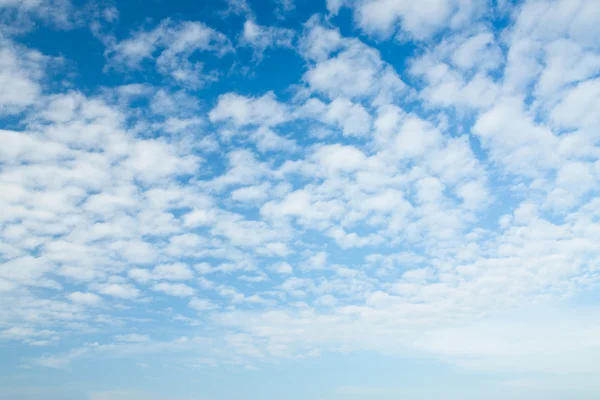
{"x": 295, "y": 199}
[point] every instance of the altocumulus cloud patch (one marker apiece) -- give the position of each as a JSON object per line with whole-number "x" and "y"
{"x": 254, "y": 191}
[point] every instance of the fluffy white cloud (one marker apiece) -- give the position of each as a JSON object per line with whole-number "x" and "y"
{"x": 90, "y": 299}
{"x": 254, "y": 118}
{"x": 22, "y": 15}
{"x": 21, "y": 70}
{"x": 171, "y": 272}
{"x": 173, "y": 289}
{"x": 132, "y": 338}
{"x": 243, "y": 111}
{"x": 457, "y": 71}
{"x": 122, "y": 291}
{"x": 202, "y": 305}
{"x": 356, "y": 71}
{"x": 351, "y": 118}
{"x": 262, "y": 37}
{"x": 171, "y": 46}
{"x": 420, "y": 20}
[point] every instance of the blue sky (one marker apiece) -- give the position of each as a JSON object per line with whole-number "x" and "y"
{"x": 343, "y": 199}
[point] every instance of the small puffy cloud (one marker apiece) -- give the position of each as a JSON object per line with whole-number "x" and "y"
{"x": 352, "y": 118}
{"x": 202, "y": 305}
{"x": 356, "y": 71}
{"x": 316, "y": 261}
{"x": 21, "y": 70}
{"x": 420, "y": 20}
{"x": 251, "y": 193}
{"x": 282, "y": 268}
{"x": 120, "y": 290}
{"x": 173, "y": 289}
{"x": 456, "y": 72}
{"x": 141, "y": 161}
{"x": 171, "y": 272}
{"x": 261, "y": 38}
{"x": 319, "y": 41}
{"x": 170, "y": 45}
{"x": 515, "y": 140}
{"x": 337, "y": 158}
{"x": 243, "y": 111}
{"x": 474, "y": 194}
{"x": 132, "y": 338}
{"x": 253, "y": 118}
{"x": 25, "y": 14}
{"x": 174, "y": 272}
{"x": 88, "y": 299}
{"x": 30, "y": 336}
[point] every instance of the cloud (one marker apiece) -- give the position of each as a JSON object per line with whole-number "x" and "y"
{"x": 254, "y": 118}
{"x": 284, "y": 7}
{"x": 132, "y": 338}
{"x": 356, "y": 70}
{"x": 422, "y": 20}
{"x": 29, "y": 336}
{"x": 237, "y": 7}
{"x": 523, "y": 345}
{"x": 89, "y": 299}
{"x": 351, "y": 118}
{"x": 243, "y": 111}
{"x": 21, "y": 15}
{"x": 458, "y": 71}
{"x": 202, "y": 305}
{"x": 260, "y": 38}
{"x": 122, "y": 291}
{"x": 282, "y": 268}
{"x": 171, "y": 45}
{"x": 172, "y": 272}
{"x": 21, "y": 71}
{"x": 173, "y": 289}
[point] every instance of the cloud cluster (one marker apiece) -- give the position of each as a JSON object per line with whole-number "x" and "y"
{"x": 375, "y": 208}
{"x": 172, "y": 47}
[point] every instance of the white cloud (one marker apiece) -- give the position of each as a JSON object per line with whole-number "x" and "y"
{"x": 560, "y": 345}
{"x": 171, "y": 45}
{"x": 173, "y": 289}
{"x": 251, "y": 193}
{"x": 20, "y": 73}
{"x": 122, "y": 291}
{"x": 284, "y": 7}
{"x": 457, "y": 71}
{"x": 262, "y": 37}
{"x": 132, "y": 338}
{"x": 575, "y": 108}
{"x": 142, "y": 161}
{"x": 357, "y": 71}
{"x": 22, "y": 15}
{"x": 515, "y": 140}
{"x": 172, "y": 272}
{"x": 282, "y": 268}
{"x": 29, "y": 336}
{"x": 237, "y": 7}
{"x": 352, "y": 118}
{"x": 420, "y": 20}
{"x": 319, "y": 41}
{"x": 202, "y": 305}
{"x": 175, "y": 271}
{"x": 243, "y": 111}
{"x": 338, "y": 158}
{"x": 89, "y": 299}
